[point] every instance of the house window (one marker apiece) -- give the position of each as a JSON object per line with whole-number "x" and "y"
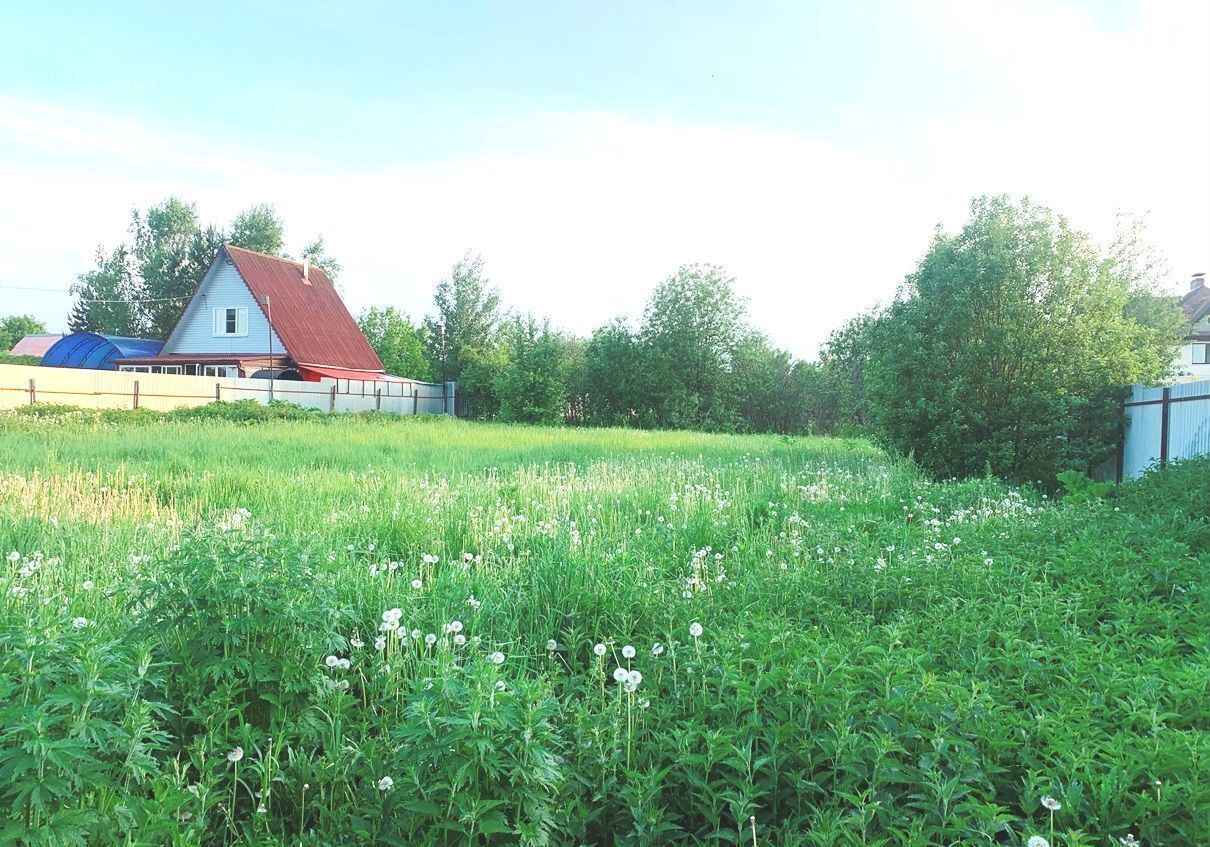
{"x": 231, "y": 321}
{"x": 1201, "y": 354}
{"x": 220, "y": 370}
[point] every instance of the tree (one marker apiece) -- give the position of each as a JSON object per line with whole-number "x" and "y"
{"x": 171, "y": 254}
{"x": 15, "y": 327}
{"x": 531, "y": 386}
{"x": 1008, "y": 349}
{"x": 318, "y": 255}
{"x": 691, "y": 328}
{"x": 764, "y": 388}
{"x": 468, "y": 307}
{"x": 107, "y": 297}
{"x": 258, "y": 228}
{"x": 611, "y": 376}
{"x": 395, "y": 340}
{"x": 142, "y": 287}
{"x": 840, "y": 397}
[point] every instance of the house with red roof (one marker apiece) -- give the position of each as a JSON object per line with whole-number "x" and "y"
{"x": 256, "y": 315}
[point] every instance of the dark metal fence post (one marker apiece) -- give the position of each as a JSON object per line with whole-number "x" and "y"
{"x": 136, "y": 394}
{"x": 378, "y": 400}
{"x": 332, "y": 400}
{"x": 218, "y": 391}
{"x": 415, "y": 400}
{"x": 1165, "y": 413}
{"x": 1123, "y": 424}
{"x": 33, "y": 392}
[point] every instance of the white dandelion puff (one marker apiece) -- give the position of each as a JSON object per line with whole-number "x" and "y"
{"x": 235, "y": 755}
{"x": 695, "y": 629}
{"x": 1051, "y": 803}
{"x": 599, "y": 649}
{"x": 386, "y": 784}
{"x": 628, "y": 652}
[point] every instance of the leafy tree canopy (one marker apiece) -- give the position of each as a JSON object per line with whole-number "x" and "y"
{"x": 396, "y": 341}
{"x": 141, "y": 287}
{"x": 1008, "y": 348}
{"x": 15, "y": 327}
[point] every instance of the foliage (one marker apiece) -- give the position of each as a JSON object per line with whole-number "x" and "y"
{"x": 317, "y": 253}
{"x": 258, "y": 228}
{"x": 1080, "y": 488}
{"x": 691, "y": 329}
{"x": 463, "y": 330}
{"x": 881, "y": 659}
{"x": 397, "y": 343}
{"x": 9, "y": 359}
{"x": 611, "y": 376}
{"x": 532, "y": 385}
{"x": 140, "y": 287}
{"x": 15, "y": 327}
{"x": 1008, "y": 349}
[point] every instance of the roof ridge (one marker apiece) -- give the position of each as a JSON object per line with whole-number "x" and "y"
{"x": 266, "y": 255}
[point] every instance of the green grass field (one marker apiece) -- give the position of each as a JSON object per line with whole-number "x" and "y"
{"x": 423, "y": 631}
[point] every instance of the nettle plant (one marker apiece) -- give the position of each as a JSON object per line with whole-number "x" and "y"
{"x": 238, "y": 620}
{"x": 81, "y": 725}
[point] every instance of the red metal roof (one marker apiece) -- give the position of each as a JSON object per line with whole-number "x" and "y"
{"x": 308, "y": 316}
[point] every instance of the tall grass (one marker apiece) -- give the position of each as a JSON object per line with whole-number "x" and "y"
{"x": 366, "y": 630}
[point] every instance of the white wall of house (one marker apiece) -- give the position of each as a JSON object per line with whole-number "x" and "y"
{"x": 223, "y": 288}
{"x": 1190, "y": 365}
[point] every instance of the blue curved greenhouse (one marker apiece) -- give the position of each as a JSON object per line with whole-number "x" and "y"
{"x": 97, "y": 352}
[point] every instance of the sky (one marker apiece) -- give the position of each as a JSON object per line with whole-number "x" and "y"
{"x": 589, "y": 149}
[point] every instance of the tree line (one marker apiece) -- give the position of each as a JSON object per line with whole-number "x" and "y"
{"x": 1006, "y": 350}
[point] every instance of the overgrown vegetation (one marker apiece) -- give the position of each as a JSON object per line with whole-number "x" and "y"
{"x": 355, "y": 630}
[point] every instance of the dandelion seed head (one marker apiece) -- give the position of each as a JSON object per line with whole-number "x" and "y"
{"x": 695, "y": 629}
{"x": 386, "y": 784}
{"x": 235, "y": 755}
{"x": 599, "y": 649}
{"x": 1051, "y": 803}
{"x": 628, "y": 652}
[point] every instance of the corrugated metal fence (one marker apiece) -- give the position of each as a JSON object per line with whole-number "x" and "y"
{"x": 1164, "y": 424}
{"x": 21, "y": 385}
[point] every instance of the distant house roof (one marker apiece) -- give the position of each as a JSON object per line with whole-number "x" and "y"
{"x": 308, "y": 315}
{"x": 34, "y": 345}
{"x": 1196, "y": 302}
{"x": 96, "y": 352}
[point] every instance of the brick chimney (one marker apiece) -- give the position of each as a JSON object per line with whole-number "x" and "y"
{"x": 1198, "y": 281}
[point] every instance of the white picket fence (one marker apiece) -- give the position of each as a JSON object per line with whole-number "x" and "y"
{"x": 1163, "y": 425}
{"x": 22, "y": 385}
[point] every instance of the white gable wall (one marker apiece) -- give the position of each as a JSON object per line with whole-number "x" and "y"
{"x": 222, "y": 288}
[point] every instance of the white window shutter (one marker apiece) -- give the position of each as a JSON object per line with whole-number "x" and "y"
{"x": 241, "y": 321}
{"x": 219, "y": 322}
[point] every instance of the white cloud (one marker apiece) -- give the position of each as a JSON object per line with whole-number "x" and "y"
{"x": 602, "y": 206}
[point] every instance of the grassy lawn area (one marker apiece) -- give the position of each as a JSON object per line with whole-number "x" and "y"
{"x": 426, "y": 631}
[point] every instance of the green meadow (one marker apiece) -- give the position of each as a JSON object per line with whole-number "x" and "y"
{"x": 287, "y": 630}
